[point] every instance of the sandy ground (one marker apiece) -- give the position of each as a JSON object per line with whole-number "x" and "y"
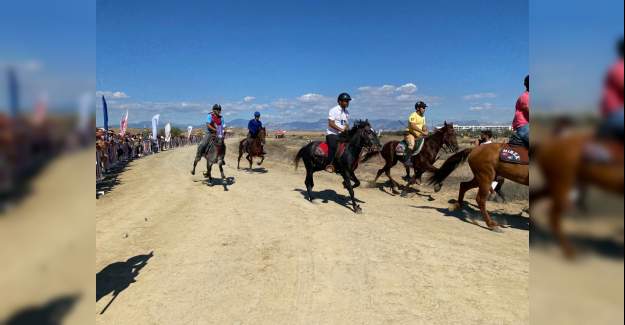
{"x": 259, "y": 253}
{"x": 47, "y": 247}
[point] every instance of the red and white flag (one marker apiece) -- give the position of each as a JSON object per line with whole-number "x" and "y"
{"x": 123, "y": 125}
{"x": 41, "y": 110}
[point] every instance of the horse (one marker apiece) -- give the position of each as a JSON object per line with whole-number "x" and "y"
{"x": 486, "y": 163}
{"x": 443, "y": 138}
{"x": 254, "y": 149}
{"x": 351, "y": 145}
{"x": 215, "y": 154}
{"x": 564, "y": 166}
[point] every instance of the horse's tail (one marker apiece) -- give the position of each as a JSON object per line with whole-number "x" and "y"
{"x": 298, "y": 157}
{"x": 451, "y": 164}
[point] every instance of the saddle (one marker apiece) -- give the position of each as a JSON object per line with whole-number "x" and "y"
{"x": 402, "y": 146}
{"x": 514, "y": 154}
{"x": 606, "y": 152}
{"x": 323, "y": 150}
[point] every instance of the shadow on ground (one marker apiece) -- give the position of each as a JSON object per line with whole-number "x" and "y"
{"x": 117, "y": 277}
{"x": 51, "y": 313}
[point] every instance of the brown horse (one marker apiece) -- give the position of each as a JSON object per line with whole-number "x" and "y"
{"x": 443, "y": 138}
{"x": 563, "y": 166}
{"x": 485, "y": 165}
{"x": 254, "y": 149}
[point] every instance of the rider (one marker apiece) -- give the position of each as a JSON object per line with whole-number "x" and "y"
{"x": 254, "y": 127}
{"x": 417, "y": 129}
{"x": 521, "y": 122}
{"x": 486, "y": 137}
{"x": 612, "y": 101}
{"x": 338, "y": 121}
{"x": 213, "y": 122}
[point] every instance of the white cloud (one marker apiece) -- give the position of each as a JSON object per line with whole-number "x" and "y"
{"x": 311, "y": 98}
{"x": 488, "y": 107}
{"x": 408, "y": 88}
{"x": 479, "y": 96}
{"x": 112, "y": 94}
{"x": 406, "y": 98}
{"x": 248, "y": 99}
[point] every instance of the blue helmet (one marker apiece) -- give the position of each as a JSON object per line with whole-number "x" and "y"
{"x": 257, "y": 114}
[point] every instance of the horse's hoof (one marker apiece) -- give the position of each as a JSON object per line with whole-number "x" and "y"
{"x": 395, "y": 192}
{"x": 404, "y": 194}
{"x": 193, "y": 172}
{"x": 358, "y": 210}
{"x": 496, "y": 229}
{"x": 455, "y": 207}
{"x": 438, "y": 187}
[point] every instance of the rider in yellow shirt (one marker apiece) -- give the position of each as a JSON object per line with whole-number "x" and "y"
{"x": 416, "y": 130}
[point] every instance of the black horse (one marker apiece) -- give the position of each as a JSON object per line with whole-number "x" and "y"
{"x": 354, "y": 141}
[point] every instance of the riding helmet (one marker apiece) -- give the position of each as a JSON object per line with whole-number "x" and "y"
{"x": 344, "y": 97}
{"x": 420, "y": 104}
{"x": 217, "y": 107}
{"x": 257, "y": 114}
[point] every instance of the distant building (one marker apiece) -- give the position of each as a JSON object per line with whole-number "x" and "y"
{"x": 494, "y": 128}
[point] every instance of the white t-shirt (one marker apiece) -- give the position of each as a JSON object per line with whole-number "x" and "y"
{"x": 340, "y": 118}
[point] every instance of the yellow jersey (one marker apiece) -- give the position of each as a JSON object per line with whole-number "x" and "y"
{"x": 416, "y": 119}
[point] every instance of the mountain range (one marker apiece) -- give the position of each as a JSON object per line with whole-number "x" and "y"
{"x": 319, "y": 125}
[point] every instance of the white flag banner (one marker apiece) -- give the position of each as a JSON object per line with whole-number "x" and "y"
{"x": 168, "y": 132}
{"x": 155, "y": 119}
{"x": 85, "y": 105}
{"x": 189, "y": 131}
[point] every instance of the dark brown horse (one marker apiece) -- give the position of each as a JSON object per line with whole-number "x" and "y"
{"x": 485, "y": 165}
{"x": 443, "y": 138}
{"x": 254, "y": 149}
{"x": 563, "y": 166}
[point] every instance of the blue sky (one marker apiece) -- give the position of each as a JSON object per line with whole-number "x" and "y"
{"x": 572, "y": 45}
{"x": 51, "y": 45}
{"x": 289, "y": 59}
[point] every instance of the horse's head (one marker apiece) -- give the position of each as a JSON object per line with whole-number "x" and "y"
{"x": 368, "y": 136}
{"x": 450, "y": 140}
{"x": 262, "y": 135}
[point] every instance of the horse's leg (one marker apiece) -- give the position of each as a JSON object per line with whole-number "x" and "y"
{"x": 348, "y": 185}
{"x": 209, "y": 169}
{"x": 481, "y": 199}
{"x": 249, "y": 158}
{"x": 464, "y": 187}
{"x": 355, "y": 179}
{"x": 310, "y": 182}
{"x": 223, "y": 177}
{"x": 262, "y": 159}
{"x": 559, "y": 204}
{"x": 240, "y": 155}
{"x": 408, "y": 186}
{"x": 407, "y": 172}
{"x": 394, "y": 184}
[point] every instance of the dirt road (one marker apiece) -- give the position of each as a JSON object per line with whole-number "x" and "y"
{"x": 261, "y": 254}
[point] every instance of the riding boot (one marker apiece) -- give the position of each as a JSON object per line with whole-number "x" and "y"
{"x": 408, "y": 157}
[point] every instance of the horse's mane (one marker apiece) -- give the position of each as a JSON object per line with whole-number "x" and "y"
{"x": 359, "y": 125}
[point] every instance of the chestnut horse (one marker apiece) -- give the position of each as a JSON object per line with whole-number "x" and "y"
{"x": 485, "y": 165}
{"x": 443, "y": 138}
{"x": 563, "y": 166}
{"x": 255, "y": 149}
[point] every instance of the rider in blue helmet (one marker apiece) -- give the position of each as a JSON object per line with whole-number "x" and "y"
{"x": 253, "y": 127}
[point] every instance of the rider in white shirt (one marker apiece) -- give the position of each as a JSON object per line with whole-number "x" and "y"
{"x": 338, "y": 121}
